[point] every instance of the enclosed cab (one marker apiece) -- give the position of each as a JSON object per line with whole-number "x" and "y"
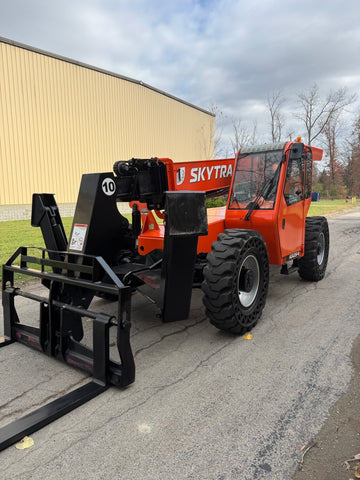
{"x": 265, "y": 222}
{"x": 271, "y": 193}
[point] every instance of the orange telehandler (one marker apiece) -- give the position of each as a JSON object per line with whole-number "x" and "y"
{"x": 172, "y": 245}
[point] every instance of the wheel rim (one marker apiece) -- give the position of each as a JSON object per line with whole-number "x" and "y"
{"x": 248, "y": 280}
{"x": 321, "y": 248}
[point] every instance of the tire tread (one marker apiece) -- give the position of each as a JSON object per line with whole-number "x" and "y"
{"x": 220, "y": 276}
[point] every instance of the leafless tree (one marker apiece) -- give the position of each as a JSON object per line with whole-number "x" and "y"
{"x": 330, "y": 136}
{"x": 316, "y": 112}
{"x": 352, "y": 167}
{"x": 290, "y": 134}
{"x": 277, "y": 122}
{"x": 212, "y": 136}
{"x": 242, "y": 136}
{"x": 253, "y": 135}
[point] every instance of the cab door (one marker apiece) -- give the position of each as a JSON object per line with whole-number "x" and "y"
{"x": 292, "y": 211}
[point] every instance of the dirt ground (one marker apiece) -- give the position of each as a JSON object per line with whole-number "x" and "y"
{"x": 339, "y": 439}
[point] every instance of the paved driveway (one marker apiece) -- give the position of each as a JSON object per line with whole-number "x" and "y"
{"x": 205, "y": 405}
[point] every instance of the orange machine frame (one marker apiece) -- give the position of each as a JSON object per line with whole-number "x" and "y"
{"x": 283, "y": 227}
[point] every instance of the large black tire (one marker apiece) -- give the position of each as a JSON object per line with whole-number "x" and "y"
{"x": 236, "y": 280}
{"x": 312, "y": 265}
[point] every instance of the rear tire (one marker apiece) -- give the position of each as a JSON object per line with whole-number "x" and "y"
{"x": 236, "y": 280}
{"x": 312, "y": 265}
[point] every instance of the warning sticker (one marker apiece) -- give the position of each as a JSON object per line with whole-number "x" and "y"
{"x": 78, "y": 237}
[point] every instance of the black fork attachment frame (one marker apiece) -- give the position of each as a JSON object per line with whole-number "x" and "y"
{"x": 60, "y": 328}
{"x": 99, "y": 237}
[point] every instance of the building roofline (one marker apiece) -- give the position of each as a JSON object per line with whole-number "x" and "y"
{"x": 100, "y": 70}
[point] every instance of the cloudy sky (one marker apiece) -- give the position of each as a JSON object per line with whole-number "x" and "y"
{"x": 232, "y": 54}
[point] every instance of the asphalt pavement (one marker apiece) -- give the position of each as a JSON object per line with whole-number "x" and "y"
{"x": 205, "y": 405}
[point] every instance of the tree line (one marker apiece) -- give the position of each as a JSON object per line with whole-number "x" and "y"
{"x": 328, "y": 121}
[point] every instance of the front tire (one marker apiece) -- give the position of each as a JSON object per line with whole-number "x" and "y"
{"x": 312, "y": 265}
{"x": 236, "y": 280}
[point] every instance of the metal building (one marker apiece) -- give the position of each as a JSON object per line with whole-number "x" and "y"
{"x": 60, "y": 118}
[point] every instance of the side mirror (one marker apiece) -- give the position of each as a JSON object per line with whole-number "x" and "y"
{"x": 297, "y": 151}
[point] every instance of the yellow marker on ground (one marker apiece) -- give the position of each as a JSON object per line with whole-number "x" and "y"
{"x": 26, "y": 442}
{"x": 248, "y": 336}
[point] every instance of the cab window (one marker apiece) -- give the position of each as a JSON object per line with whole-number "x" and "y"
{"x": 256, "y": 178}
{"x": 308, "y": 174}
{"x": 294, "y": 182}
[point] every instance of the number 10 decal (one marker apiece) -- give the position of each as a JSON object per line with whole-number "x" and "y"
{"x": 108, "y": 186}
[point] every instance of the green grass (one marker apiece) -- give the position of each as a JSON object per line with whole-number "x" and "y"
{"x": 327, "y": 207}
{"x": 18, "y": 233}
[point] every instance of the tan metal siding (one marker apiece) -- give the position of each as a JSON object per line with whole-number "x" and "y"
{"x": 59, "y": 120}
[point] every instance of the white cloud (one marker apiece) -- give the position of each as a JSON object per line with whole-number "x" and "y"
{"x": 232, "y": 54}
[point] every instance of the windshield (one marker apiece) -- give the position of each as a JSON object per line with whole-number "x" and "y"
{"x": 256, "y": 175}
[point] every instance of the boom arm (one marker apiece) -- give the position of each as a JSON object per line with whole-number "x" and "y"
{"x": 209, "y": 176}
{"x": 147, "y": 180}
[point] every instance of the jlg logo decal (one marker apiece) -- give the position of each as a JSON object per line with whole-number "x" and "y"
{"x": 180, "y": 176}
{"x": 203, "y": 174}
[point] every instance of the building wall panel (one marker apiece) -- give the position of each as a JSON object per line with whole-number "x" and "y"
{"x": 59, "y": 120}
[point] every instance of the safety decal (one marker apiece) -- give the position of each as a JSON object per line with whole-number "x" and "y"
{"x": 78, "y": 237}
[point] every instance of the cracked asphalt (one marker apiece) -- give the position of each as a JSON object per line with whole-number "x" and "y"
{"x": 205, "y": 404}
